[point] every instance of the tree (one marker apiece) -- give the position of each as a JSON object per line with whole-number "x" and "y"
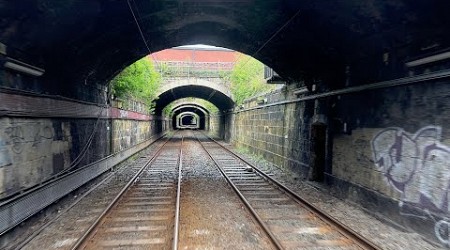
{"x": 247, "y": 79}
{"x": 139, "y": 81}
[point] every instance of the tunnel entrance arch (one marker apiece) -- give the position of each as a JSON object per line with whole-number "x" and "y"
{"x": 203, "y": 116}
{"x": 189, "y": 120}
{"x": 220, "y": 98}
{"x": 303, "y": 40}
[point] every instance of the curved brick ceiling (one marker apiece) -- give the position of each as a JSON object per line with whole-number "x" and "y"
{"x": 88, "y": 42}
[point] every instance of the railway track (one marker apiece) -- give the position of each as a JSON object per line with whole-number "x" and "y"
{"x": 59, "y": 231}
{"x": 289, "y": 221}
{"x": 145, "y": 214}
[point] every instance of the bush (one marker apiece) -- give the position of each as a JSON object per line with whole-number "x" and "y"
{"x": 139, "y": 81}
{"x": 247, "y": 79}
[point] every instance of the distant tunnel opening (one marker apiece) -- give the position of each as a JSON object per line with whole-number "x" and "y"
{"x": 189, "y": 115}
{"x": 188, "y": 120}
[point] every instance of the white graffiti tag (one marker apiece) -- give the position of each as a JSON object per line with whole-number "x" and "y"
{"x": 416, "y": 165}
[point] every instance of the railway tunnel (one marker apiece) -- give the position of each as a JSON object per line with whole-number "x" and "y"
{"x": 202, "y": 89}
{"x": 362, "y": 113}
{"x": 203, "y": 114}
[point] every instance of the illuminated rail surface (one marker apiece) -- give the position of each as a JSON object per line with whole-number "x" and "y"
{"x": 145, "y": 214}
{"x": 290, "y": 221}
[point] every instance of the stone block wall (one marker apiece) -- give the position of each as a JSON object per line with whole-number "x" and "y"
{"x": 279, "y": 133}
{"x": 216, "y": 126}
{"x": 395, "y": 157}
{"x": 38, "y": 142}
{"x": 81, "y": 130}
{"x": 387, "y": 149}
{"x": 127, "y": 133}
{"x": 31, "y": 151}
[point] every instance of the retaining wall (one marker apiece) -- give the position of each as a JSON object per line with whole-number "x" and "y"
{"x": 42, "y": 136}
{"x": 387, "y": 148}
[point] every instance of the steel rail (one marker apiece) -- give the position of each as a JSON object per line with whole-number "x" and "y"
{"x": 177, "y": 207}
{"x": 114, "y": 202}
{"x": 350, "y": 233}
{"x": 17, "y": 209}
{"x": 265, "y": 227}
{"x": 35, "y": 233}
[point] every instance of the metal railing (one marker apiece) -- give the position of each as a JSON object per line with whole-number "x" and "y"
{"x": 194, "y": 69}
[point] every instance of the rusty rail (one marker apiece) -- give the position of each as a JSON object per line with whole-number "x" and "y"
{"x": 359, "y": 240}
{"x": 89, "y": 232}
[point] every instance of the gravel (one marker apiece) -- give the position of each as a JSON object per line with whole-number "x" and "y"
{"x": 212, "y": 216}
{"x": 385, "y": 235}
{"x": 64, "y": 231}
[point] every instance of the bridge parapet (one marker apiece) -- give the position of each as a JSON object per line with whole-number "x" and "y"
{"x": 217, "y": 84}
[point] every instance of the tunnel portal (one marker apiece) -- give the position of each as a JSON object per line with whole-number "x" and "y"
{"x": 363, "y": 110}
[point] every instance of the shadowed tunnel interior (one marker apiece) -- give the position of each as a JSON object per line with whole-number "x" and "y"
{"x": 202, "y": 113}
{"x": 221, "y": 100}
{"x": 363, "y": 111}
{"x": 298, "y": 39}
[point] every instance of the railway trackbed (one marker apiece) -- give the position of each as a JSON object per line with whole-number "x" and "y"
{"x": 289, "y": 221}
{"x": 145, "y": 214}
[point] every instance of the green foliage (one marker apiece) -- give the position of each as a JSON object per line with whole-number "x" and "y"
{"x": 247, "y": 79}
{"x": 139, "y": 81}
{"x": 208, "y": 105}
{"x": 167, "y": 109}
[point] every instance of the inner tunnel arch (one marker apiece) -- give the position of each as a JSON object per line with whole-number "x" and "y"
{"x": 223, "y": 101}
{"x": 187, "y": 119}
{"x": 203, "y": 116}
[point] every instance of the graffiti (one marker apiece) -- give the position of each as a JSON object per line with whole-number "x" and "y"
{"x": 442, "y": 231}
{"x": 42, "y": 133}
{"x": 5, "y": 159}
{"x": 20, "y": 135}
{"x": 417, "y": 165}
{"x": 17, "y": 139}
{"x": 123, "y": 113}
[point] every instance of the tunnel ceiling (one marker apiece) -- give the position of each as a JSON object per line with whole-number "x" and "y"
{"x": 86, "y": 42}
{"x": 219, "y": 99}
